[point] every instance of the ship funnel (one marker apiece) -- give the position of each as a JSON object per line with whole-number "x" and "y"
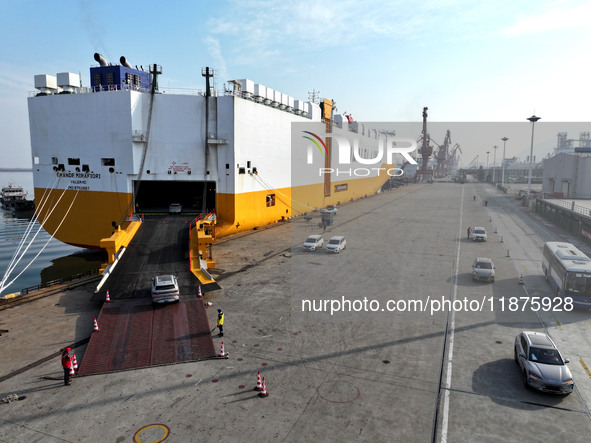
{"x": 124, "y": 62}
{"x": 102, "y": 60}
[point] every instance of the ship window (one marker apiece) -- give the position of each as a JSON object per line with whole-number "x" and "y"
{"x": 54, "y": 161}
{"x": 248, "y": 164}
{"x": 137, "y": 81}
{"x": 97, "y": 79}
{"x": 227, "y": 165}
{"x": 270, "y": 199}
{"x": 110, "y": 80}
{"x": 73, "y": 161}
{"x": 108, "y": 161}
{"x": 128, "y": 78}
{"x": 241, "y": 170}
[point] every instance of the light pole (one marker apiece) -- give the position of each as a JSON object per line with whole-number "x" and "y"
{"x": 503, "y": 174}
{"x": 494, "y": 162}
{"x": 487, "y": 174}
{"x": 533, "y": 119}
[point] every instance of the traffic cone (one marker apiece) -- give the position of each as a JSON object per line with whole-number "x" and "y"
{"x": 72, "y": 370}
{"x": 199, "y": 294}
{"x": 521, "y": 279}
{"x": 259, "y": 386}
{"x": 223, "y": 353}
{"x": 263, "y": 393}
{"x": 96, "y": 329}
{"x": 74, "y": 362}
{"x": 108, "y": 298}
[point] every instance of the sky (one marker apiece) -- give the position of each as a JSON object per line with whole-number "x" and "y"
{"x": 380, "y": 60}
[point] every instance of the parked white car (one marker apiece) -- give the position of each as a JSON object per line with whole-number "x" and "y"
{"x": 336, "y": 244}
{"x": 313, "y": 242}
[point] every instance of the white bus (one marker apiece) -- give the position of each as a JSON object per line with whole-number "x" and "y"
{"x": 568, "y": 270}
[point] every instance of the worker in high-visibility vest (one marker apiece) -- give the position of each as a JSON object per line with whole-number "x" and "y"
{"x": 221, "y": 322}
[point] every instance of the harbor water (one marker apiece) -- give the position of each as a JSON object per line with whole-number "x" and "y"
{"x": 29, "y": 254}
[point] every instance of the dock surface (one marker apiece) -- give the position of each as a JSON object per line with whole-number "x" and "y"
{"x": 406, "y": 375}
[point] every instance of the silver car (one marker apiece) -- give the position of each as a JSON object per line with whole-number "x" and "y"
{"x": 175, "y": 208}
{"x": 165, "y": 289}
{"x": 541, "y": 363}
{"x": 483, "y": 269}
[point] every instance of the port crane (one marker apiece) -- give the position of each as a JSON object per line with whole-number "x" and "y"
{"x": 425, "y": 150}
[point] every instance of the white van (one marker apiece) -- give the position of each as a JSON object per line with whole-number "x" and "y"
{"x": 336, "y": 244}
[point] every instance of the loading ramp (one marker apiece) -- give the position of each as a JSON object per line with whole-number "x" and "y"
{"x": 133, "y": 333}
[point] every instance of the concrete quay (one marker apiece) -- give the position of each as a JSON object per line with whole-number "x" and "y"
{"x": 408, "y": 374}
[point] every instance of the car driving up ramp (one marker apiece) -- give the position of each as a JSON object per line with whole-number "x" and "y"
{"x": 132, "y": 332}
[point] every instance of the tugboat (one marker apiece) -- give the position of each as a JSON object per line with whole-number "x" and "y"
{"x": 14, "y": 198}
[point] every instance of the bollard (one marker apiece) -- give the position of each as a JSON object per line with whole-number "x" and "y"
{"x": 507, "y": 253}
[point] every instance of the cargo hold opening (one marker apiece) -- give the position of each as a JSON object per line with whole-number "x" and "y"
{"x": 157, "y": 196}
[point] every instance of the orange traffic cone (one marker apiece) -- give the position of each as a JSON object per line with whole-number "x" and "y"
{"x": 199, "y": 294}
{"x": 96, "y": 329}
{"x": 108, "y": 298}
{"x": 521, "y": 279}
{"x": 74, "y": 362}
{"x": 72, "y": 370}
{"x": 259, "y": 386}
{"x": 263, "y": 393}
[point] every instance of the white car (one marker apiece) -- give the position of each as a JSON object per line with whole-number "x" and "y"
{"x": 165, "y": 289}
{"x": 313, "y": 242}
{"x": 478, "y": 234}
{"x": 175, "y": 208}
{"x": 336, "y": 244}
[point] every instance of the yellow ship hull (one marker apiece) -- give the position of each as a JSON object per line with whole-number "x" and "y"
{"x": 83, "y": 218}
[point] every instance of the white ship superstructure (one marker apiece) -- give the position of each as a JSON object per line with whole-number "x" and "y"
{"x": 122, "y": 146}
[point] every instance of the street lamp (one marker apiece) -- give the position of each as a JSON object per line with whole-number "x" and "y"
{"x": 487, "y": 152}
{"x": 494, "y": 161}
{"x": 533, "y": 119}
{"x": 503, "y": 174}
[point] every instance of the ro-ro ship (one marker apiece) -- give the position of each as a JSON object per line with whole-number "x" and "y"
{"x": 122, "y": 146}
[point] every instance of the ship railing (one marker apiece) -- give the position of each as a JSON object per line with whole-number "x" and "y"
{"x": 59, "y": 281}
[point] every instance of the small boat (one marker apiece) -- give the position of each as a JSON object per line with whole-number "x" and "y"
{"x": 14, "y": 198}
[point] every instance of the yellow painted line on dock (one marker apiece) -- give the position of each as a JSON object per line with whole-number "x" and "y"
{"x": 525, "y": 271}
{"x": 585, "y": 367}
